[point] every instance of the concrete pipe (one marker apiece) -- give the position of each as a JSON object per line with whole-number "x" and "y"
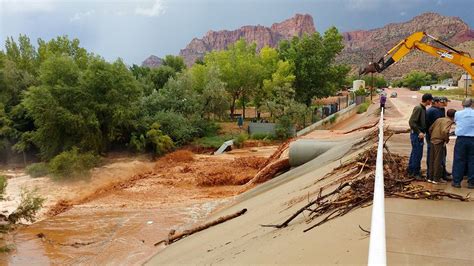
{"x": 305, "y": 150}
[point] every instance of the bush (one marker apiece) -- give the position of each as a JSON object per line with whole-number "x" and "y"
{"x": 240, "y": 139}
{"x": 30, "y": 204}
{"x": 282, "y": 128}
{"x": 176, "y": 126}
{"x": 72, "y": 164}
{"x": 333, "y": 118}
{"x": 137, "y": 143}
{"x": 160, "y": 143}
{"x": 37, "y": 169}
{"x": 205, "y": 128}
{"x": 3, "y": 185}
{"x": 363, "y": 108}
{"x": 262, "y": 136}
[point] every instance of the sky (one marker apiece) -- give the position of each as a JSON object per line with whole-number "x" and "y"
{"x": 134, "y": 29}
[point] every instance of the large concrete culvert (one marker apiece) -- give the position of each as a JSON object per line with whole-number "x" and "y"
{"x": 305, "y": 150}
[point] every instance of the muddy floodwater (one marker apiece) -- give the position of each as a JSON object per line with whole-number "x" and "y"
{"x": 117, "y": 236}
{"x": 116, "y": 217}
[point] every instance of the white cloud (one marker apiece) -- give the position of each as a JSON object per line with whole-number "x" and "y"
{"x": 81, "y": 15}
{"x": 376, "y": 4}
{"x": 403, "y": 13}
{"x": 22, "y": 6}
{"x": 157, "y": 8}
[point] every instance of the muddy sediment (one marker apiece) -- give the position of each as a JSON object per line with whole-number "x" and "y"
{"x": 120, "y": 220}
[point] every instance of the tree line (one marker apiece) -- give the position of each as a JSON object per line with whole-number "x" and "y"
{"x": 58, "y": 97}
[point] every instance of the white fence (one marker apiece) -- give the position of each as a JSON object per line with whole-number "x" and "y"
{"x": 377, "y": 245}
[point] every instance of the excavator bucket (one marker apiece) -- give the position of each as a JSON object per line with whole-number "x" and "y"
{"x": 370, "y": 68}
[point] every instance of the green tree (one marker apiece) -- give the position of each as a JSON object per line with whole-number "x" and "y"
{"x": 63, "y": 46}
{"x": 175, "y": 62}
{"x": 314, "y": 56}
{"x": 415, "y": 79}
{"x": 240, "y": 69}
{"x": 160, "y": 75}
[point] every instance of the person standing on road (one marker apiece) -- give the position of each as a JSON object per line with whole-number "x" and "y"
{"x": 464, "y": 147}
{"x": 439, "y": 133}
{"x": 240, "y": 122}
{"x": 417, "y": 124}
{"x": 383, "y": 100}
{"x": 432, "y": 114}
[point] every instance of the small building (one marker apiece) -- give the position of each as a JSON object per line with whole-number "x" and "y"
{"x": 358, "y": 84}
{"x": 465, "y": 79}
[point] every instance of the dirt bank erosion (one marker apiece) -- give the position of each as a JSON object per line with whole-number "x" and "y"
{"x": 118, "y": 222}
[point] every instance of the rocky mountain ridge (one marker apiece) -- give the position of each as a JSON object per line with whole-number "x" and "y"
{"x": 261, "y": 35}
{"x": 360, "y": 45}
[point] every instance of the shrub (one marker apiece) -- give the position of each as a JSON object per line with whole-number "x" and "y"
{"x": 205, "y": 128}
{"x": 282, "y": 128}
{"x": 137, "y": 143}
{"x": 160, "y": 142}
{"x": 240, "y": 139}
{"x": 262, "y": 136}
{"x": 333, "y": 118}
{"x": 30, "y": 204}
{"x": 72, "y": 164}
{"x": 363, "y": 108}
{"x": 37, "y": 169}
{"x": 3, "y": 185}
{"x": 176, "y": 126}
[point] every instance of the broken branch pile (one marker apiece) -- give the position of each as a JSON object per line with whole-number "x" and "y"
{"x": 356, "y": 188}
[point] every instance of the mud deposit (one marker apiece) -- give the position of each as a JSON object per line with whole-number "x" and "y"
{"x": 119, "y": 222}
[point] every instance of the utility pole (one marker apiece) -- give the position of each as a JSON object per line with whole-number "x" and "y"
{"x": 372, "y": 78}
{"x": 465, "y": 82}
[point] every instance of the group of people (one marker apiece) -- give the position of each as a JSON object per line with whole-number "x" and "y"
{"x": 434, "y": 125}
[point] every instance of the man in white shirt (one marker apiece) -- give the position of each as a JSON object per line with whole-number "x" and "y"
{"x": 464, "y": 148}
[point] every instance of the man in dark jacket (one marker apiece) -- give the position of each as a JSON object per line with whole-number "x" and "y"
{"x": 418, "y": 130}
{"x": 432, "y": 114}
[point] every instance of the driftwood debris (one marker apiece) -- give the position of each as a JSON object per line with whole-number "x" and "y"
{"x": 356, "y": 190}
{"x": 362, "y": 127}
{"x": 270, "y": 170}
{"x": 173, "y": 237}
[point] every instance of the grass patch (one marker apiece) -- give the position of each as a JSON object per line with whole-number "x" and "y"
{"x": 333, "y": 118}
{"x": 455, "y": 94}
{"x": 363, "y": 107}
{"x": 262, "y": 136}
{"x": 213, "y": 141}
{"x": 37, "y": 169}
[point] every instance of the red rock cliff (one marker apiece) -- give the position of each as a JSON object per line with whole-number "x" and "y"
{"x": 261, "y": 35}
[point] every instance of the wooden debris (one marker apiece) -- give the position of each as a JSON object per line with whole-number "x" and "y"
{"x": 269, "y": 171}
{"x": 362, "y": 127}
{"x": 356, "y": 189}
{"x": 173, "y": 236}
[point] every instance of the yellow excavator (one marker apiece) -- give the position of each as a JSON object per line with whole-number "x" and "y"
{"x": 415, "y": 42}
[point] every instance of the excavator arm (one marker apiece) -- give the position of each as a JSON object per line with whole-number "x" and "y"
{"x": 414, "y": 42}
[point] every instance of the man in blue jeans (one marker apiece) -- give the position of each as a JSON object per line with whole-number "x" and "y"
{"x": 464, "y": 148}
{"x": 418, "y": 128}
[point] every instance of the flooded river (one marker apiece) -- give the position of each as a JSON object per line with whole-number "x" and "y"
{"x": 114, "y": 236}
{"x": 124, "y": 213}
